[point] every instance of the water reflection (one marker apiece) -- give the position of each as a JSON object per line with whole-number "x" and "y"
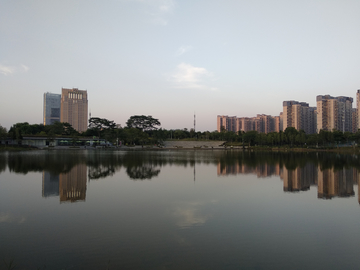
{"x": 142, "y": 172}
{"x": 72, "y": 185}
{"x": 334, "y": 175}
{"x": 338, "y": 183}
{"x": 69, "y": 186}
{"x": 65, "y": 173}
{"x": 50, "y": 184}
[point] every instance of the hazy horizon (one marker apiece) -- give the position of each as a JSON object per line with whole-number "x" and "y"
{"x": 169, "y": 59}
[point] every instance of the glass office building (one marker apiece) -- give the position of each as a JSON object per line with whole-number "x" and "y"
{"x": 52, "y": 103}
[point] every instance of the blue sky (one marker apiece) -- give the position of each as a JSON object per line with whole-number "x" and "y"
{"x": 169, "y": 58}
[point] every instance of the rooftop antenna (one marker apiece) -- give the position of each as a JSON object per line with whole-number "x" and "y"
{"x": 194, "y": 122}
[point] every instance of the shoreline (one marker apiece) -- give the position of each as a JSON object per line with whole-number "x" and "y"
{"x": 350, "y": 149}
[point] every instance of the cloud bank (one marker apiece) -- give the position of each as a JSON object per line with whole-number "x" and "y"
{"x": 190, "y": 77}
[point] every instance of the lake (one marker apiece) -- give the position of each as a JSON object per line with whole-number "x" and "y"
{"x": 186, "y": 209}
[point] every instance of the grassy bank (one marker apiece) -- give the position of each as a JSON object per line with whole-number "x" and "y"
{"x": 15, "y": 148}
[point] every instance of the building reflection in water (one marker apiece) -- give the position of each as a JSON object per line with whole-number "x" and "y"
{"x": 50, "y": 184}
{"x": 299, "y": 179}
{"x": 336, "y": 183}
{"x": 70, "y": 186}
{"x": 263, "y": 170}
{"x": 330, "y": 182}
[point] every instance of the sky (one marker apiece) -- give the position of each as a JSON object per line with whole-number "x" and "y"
{"x": 171, "y": 58}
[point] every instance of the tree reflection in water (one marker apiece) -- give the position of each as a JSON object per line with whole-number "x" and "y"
{"x": 142, "y": 172}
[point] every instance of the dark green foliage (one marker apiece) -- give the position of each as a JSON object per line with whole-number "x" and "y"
{"x": 18, "y": 130}
{"x": 3, "y": 132}
{"x": 102, "y": 128}
{"x": 142, "y": 122}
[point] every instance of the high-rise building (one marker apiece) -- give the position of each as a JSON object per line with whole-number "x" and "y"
{"x": 311, "y": 124}
{"x": 345, "y": 113}
{"x": 358, "y": 109}
{"x": 299, "y": 115}
{"x": 227, "y": 122}
{"x": 355, "y": 120}
{"x": 74, "y": 108}
{"x": 51, "y": 111}
{"x": 246, "y": 124}
{"x": 277, "y": 123}
{"x": 264, "y": 123}
{"x": 334, "y": 113}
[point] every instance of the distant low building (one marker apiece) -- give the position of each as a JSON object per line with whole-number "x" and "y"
{"x": 43, "y": 142}
{"x": 262, "y": 123}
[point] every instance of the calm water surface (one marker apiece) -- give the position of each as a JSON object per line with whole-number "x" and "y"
{"x": 179, "y": 210}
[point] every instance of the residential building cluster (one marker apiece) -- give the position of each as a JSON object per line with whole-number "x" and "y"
{"x": 331, "y": 113}
{"x": 262, "y": 123}
{"x": 69, "y": 107}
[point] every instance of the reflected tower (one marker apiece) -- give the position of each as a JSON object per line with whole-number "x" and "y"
{"x": 335, "y": 183}
{"x": 50, "y": 184}
{"x": 73, "y": 184}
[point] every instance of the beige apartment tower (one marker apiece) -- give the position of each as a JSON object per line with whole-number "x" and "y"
{"x": 299, "y": 115}
{"x": 334, "y": 113}
{"x": 226, "y": 122}
{"x": 74, "y": 108}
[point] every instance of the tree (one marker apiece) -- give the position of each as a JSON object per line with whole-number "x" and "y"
{"x": 102, "y": 125}
{"x": 338, "y": 136}
{"x": 250, "y": 137}
{"x": 3, "y": 132}
{"x": 60, "y": 128}
{"x": 290, "y": 134}
{"x": 135, "y": 135}
{"x": 326, "y": 136}
{"x": 142, "y": 122}
{"x": 26, "y": 129}
{"x": 192, "y": 133}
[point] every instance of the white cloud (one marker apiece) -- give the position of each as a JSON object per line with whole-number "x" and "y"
{"x": 188, "y": 76}
{"x": 6, "y": 70}
{"x": 182, "y": 50}
{"x": 10, "y": 70}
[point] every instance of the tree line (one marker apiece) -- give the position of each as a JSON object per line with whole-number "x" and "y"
{"x": 142, "y": 130}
